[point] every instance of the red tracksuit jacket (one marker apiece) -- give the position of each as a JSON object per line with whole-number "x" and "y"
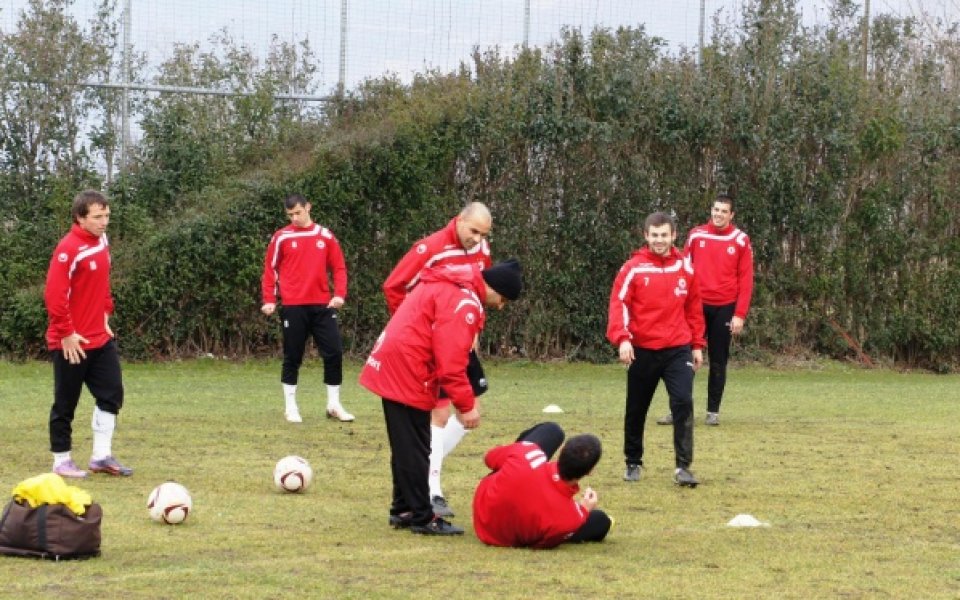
{"x": 296, "y": 267}
{"x": 524, "y": 502}
{"x": 723, "y": 262}
{"x": 440, "y": 248}
{"x": 655, "y": 303}
{"x": 426, "y": 343}
{"x": 77, "y": 294}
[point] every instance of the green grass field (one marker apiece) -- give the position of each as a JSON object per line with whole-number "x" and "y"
{"x": 855, "y": 471}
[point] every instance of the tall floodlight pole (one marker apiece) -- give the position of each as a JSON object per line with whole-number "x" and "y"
{"x": 526, "y": 23}
{"x": 125, "y": 79}
{"x": 342, "y": 81}
{"x": 703, "y": 17}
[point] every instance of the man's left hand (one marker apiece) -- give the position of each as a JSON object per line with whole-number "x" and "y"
{"x": 736, "y": 325}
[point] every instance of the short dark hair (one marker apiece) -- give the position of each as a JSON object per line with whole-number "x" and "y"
{"x": 579, "y": 456}
{"x": 84, "y": 200}
{"x": 725, "y": 199}
{"x": 657, "y": 219}
{"x": 293, "y": 200}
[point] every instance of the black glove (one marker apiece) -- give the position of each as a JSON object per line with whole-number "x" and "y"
{"x": 478, "y": 379}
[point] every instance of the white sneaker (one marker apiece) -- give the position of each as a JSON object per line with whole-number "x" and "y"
{"x": 338, "y": 413}
{"x": 293, "y": 416}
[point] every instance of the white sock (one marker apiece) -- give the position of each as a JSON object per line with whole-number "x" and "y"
{"x": 103, "y": 424}
{"x": 60, "y": 457}
{"x": 290, "y": 396}
{"x": 436, "y": 459}
{"x": 452, "y": 434}
{"x": 333, "y": 396}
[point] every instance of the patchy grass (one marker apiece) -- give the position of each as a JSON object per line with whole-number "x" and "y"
{"x": 854, "y": 470}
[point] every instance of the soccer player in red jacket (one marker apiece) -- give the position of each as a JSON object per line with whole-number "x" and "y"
{"x": 528, "y": 501}
{"x": 656, "y": 322}
{"x": 463, "y": 241}
{"x": 296, "y": 269}
{"x": 79, "y": 304}
{"x": 722, "y": 261}
{"x": 424, "y": 348}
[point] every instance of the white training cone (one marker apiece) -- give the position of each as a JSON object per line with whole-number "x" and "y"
{"x": 746, "y": 521}
{"x": 552, "y": 408}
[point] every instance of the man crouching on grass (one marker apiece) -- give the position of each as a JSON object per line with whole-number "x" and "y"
{"x": 528, "y": 501}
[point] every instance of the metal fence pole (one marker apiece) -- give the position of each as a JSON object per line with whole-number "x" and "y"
{"x": 125, "y": 80}
{"x": 703, "y": 17}
{"x": 342, "y": 80}
{"x": 865, "y": 51}
{"x": 526, "y": 23}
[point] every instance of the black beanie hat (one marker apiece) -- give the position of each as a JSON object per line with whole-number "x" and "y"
{"x": 506, "y": 278}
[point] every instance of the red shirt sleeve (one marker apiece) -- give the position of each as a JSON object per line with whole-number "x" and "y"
{"x": 745, "y": 287}
{"x": 693, "y": 311}
{"x": 56, "y": 294}
{"x": 455, "y": 328}
{"x": 495, "y": 457}
{"x": 338, "y": 265}
{"x": 395, "y": 286}
{"x": 617, "y": 331}
{"x": 268, "y": 282}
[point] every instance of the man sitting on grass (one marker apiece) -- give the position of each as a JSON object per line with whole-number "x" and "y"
{"x": 528, "y": 501}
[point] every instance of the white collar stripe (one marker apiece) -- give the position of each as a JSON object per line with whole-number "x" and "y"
{"x": 86, "y": 253}
{"x": 712, "y": 236}
{"x": 622, "y": 294}
{"x": 289, "y": 235}
{"x": 442, "y": 255}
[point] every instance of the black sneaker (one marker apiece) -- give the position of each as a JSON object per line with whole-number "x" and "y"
{"x": 440, "y": 507}
{"x": 401, "y": 521}
{"x": 685, "y": 478}
{"x": 438, "y": 526}
{"x": 632, "y": 473}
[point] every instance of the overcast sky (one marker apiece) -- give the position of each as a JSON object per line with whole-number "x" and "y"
{"x": 406, "y": 36}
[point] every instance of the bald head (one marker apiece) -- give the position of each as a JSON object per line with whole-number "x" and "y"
{"x": 473, "y": 224}
{"x": 477, "y": 210}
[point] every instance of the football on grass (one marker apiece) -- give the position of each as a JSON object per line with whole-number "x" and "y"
{"x": 292, "y": 474}
{"x": 169, "y": 503}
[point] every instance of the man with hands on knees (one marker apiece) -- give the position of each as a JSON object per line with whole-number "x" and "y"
{"x": 423, "y": 349}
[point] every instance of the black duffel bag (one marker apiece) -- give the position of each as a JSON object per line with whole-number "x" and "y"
{"x": 50, "y": 531}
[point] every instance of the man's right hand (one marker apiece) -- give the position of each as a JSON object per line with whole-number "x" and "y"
{"x": 626, "y": 352}
{"x": 590, "y": 499}
{"x": 72, "y": 350}
{"x": 268, "y": 308}
{"x": 470, "y": 420}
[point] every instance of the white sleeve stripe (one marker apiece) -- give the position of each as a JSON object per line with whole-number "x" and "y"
{"x": 468, "y": 302}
